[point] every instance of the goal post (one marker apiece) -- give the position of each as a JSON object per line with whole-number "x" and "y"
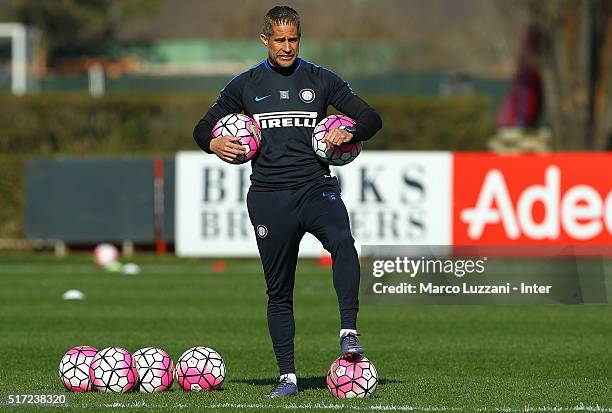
{"x": 24, "y": 45}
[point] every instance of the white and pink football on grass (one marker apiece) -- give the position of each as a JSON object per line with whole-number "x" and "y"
{"x": 113, "y": 370}
{"x": 350, "y": 377}
{"x": 243, "y": 127}
{"x": 200, "y": 369}
{"x": 336, "y": 155}
{"x": 74, "y": 368}
{"x": 155, "y": 370}
{"x": 105, "y": 255}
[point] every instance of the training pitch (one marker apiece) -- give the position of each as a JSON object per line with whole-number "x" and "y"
{"x": 429, "y": 358}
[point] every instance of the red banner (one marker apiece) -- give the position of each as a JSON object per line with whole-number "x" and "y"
{"x": 556, "y": 199}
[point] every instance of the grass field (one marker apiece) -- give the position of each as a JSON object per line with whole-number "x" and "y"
{"x": 429, "y": 358}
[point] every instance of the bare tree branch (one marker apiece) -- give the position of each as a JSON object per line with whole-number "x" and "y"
{"x": 575, "y": 63}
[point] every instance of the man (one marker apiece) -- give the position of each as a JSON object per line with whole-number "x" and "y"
{"x": 292, "y": 192}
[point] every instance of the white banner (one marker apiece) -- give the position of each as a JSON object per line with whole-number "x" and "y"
{"x": 392, "y": 198}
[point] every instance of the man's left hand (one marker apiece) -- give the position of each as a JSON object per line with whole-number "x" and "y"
{"x": 337, "y": 137}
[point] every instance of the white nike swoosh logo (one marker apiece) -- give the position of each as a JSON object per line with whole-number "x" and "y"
{"x": 259, "y": 99}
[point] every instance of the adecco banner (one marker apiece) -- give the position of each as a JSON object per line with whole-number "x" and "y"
{"x": 556, "y": 199}
{"x": 392, "y": 198}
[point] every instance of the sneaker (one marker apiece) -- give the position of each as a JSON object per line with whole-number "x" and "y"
{"x": 350, "y": 345}
{"x": 284, "y": 388}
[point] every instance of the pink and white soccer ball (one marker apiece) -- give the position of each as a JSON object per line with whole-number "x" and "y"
{"x": 105, "y": 254}
{"x": 350, "y": 377}
{"x": 337, "y": 155}
{"x": 155, "y": 370}
{"x": 74, "y": 368}
{"x": 200, "y": 369}
{"x": 243, "y": 127}
{"x": 113, "y": 370}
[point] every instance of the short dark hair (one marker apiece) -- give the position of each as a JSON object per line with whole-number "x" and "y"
{"x": 280, "y": 15}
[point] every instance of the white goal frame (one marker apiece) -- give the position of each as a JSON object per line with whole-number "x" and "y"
{"x": 21, "y": 54}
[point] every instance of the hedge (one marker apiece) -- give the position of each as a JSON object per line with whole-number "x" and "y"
{"x": 120, "y": 124}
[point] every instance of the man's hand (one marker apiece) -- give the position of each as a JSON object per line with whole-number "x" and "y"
{"x": 337, "y": 137}
{"x": 226, "y": 148}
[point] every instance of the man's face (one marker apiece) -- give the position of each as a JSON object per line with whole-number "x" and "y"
{"x": 283, "y": 45}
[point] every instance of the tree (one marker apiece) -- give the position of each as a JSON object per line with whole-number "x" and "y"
{"x": 77, "y": 27}
{"x": 575, "y": 60}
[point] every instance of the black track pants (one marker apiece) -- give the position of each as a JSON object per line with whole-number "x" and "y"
{"x": 280, "y": 219}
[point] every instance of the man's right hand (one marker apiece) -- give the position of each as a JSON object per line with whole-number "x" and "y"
{"x": 226, "y": 148}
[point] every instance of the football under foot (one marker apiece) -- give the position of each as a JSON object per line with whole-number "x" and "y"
{"x": 284, "y": 388}
{"x": 350, "y": 346}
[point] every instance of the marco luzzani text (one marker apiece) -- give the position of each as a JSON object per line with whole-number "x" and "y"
{"x": 429, "y": 275}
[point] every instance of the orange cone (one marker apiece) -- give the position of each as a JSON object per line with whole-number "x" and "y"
{"x": 219, "y": 266}
{"x": 325, "y": 260}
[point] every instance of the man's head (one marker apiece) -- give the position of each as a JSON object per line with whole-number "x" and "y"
{"x": 281, "y": 35}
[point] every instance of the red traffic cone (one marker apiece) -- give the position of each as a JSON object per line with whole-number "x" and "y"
{"x": 325, "y": 260}
{"x": 218, "y": 266}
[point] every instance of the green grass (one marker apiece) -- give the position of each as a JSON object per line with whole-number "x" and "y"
{"x": 435, "y": 358}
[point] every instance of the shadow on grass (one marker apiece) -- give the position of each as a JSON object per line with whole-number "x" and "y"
{"x": 304, "y": 383}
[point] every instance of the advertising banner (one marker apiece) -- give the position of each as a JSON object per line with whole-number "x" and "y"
{"x": 555, "y": 199}
{"x": 392, "y": 198}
